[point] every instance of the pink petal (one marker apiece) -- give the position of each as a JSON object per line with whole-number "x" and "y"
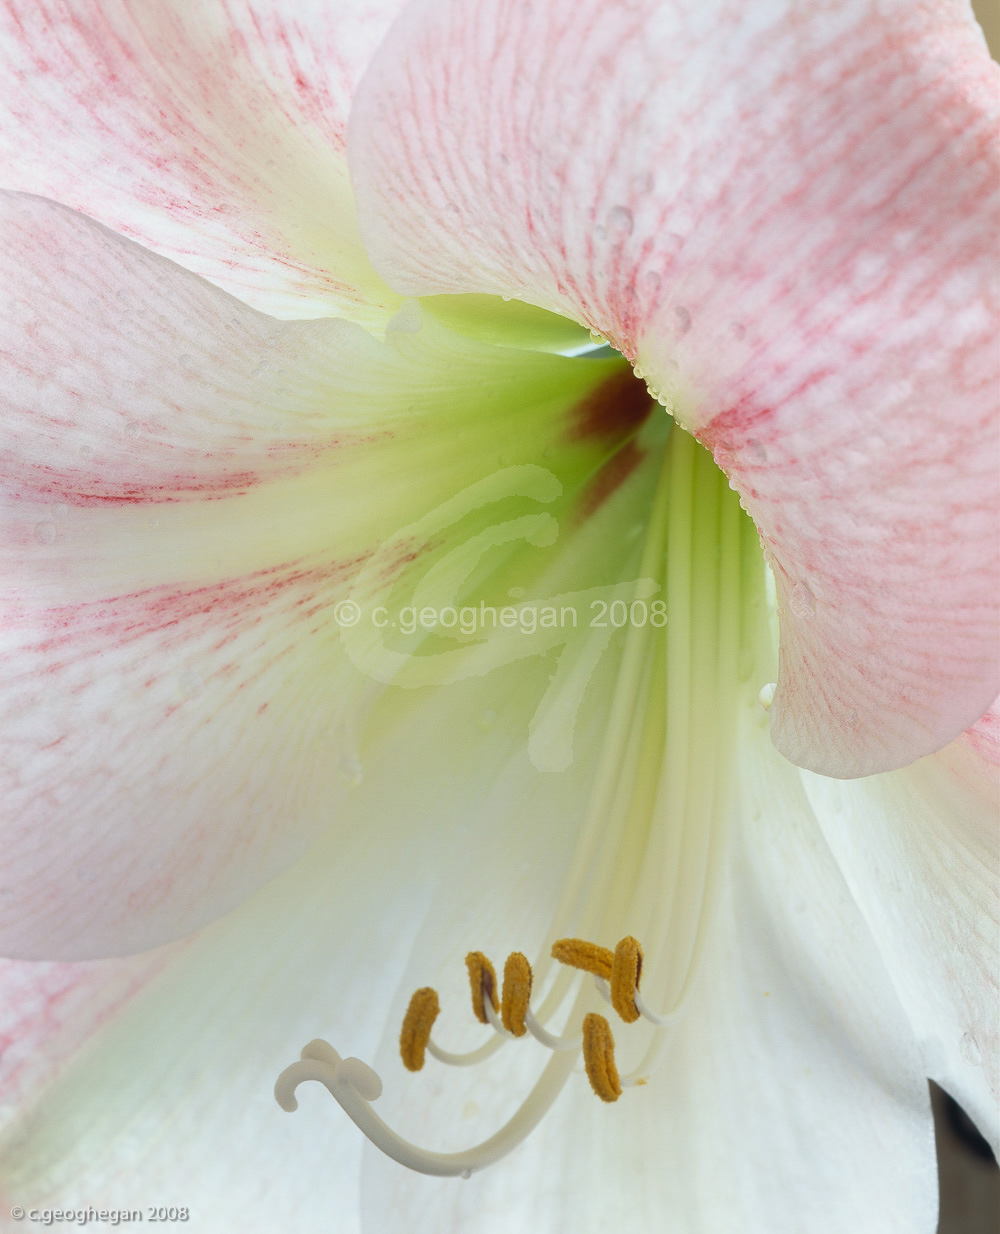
{"x": 212, "y": 132}
{"x": 786, "y": 216}
{"x": 48, "y": 1009}
{"x": 188, "y": 489}
{"x": 131, "y": 1081}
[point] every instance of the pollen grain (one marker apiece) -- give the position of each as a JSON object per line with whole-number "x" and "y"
{"x": 578, "y": 953}
{"x": 599, "y": 1057}
{"x": 626, "y": 971}
{"x": 516, "y": 994}
{"x": 417, "y": 1024}
{"x": 483, "y": 982}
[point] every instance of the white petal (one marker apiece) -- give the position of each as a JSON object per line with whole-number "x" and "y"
{"x": 791, "y": 1097}
{"x": 918, "y": 848}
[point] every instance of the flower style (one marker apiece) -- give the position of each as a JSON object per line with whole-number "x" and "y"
{"x": 242, "y": 808}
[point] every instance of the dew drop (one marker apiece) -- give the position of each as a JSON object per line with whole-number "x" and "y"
{"x": 652, "y": 280}
{"x": 757, "y": 451}
{"x": 802, "y": 602}
{"x": 683, "y": 319}
{"x": 45, "y": 533}
{"x": 186, "y": 360}
{"x": 466, "y": 1173}
{"x": 516, "y": 593}
{"x": 619, "y": 223}
{"x": 350, "y": 770}
{"x": 60, "y": 510}
{"x": 190, "y": 685}
{"x": 133, "y": 430}
{"x": 766, "y": 695}
{"x": 86, "y": 451}
{"x": 969, "y": 1050}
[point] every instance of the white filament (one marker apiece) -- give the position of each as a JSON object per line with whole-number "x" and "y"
{"x": 661, "y": 1021}
{"x": 537, "y": 1031}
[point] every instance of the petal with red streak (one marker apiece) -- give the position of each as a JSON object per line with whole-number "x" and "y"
{"x": 213, "y": 133}
{"x": 189, "y": 488}
{"x": 786, "y": 217}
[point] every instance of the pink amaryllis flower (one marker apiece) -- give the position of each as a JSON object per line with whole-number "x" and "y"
{"x": 271, "y": 764}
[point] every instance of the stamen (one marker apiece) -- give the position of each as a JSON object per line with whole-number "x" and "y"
{"x": 599, "y": 1057}
{"x": 516, "y": 993}
{"x": 625, "y": 973}
{"x": 355, "y": 1085}
{"x": 417, "y": 1024}
{"x": 483, "y": 982}
{"x": 577, "y": 953}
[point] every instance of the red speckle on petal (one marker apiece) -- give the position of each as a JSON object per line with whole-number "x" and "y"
{"x": 617, "y": 408}
{"x": 612, "y": 475}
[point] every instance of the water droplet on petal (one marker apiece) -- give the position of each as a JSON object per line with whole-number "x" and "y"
{"x": 86, "y": 451}
{"x": 683, "y": 319}
{"x": 466, "y": 1173}
{"x": 968, "y": 1047}
{"x": 190, "y": 685}
{"x": 60, "y": 509}
{"x": 766, "y": 695}
{"x": 619, "y": 224}
{"x": 45, "y": 533}
{"x": 351, "y": 771}
{"x": 802, "y": 602}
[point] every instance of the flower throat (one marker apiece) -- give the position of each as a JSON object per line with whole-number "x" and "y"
{"x": 650, "y": 849}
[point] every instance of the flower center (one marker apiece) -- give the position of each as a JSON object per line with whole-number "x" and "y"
{"x": 649, "y": 855}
